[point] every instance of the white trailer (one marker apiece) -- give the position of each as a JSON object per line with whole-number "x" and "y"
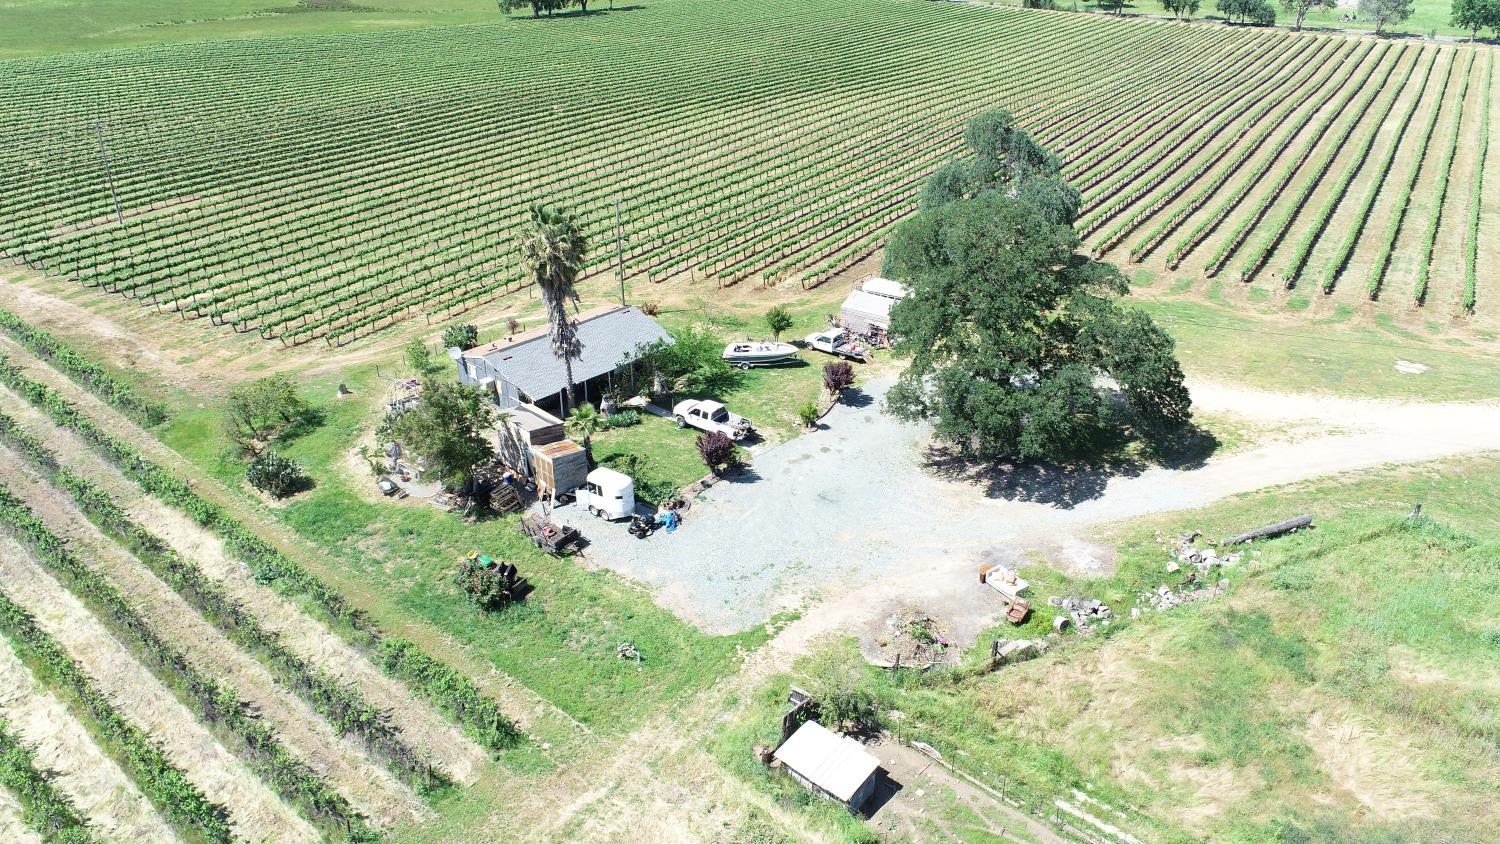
{"x": 608, "y": 494}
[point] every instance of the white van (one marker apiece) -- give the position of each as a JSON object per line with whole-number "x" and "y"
{"x": 608, "y": 493}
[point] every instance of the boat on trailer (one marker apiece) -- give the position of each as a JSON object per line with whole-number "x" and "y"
{"x": 748, "y": 353}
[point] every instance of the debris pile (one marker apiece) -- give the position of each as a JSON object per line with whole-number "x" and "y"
{"x": 914, "y": 639}
{"x": 1085, "y": 612}
{"x": 1198, "y": 567}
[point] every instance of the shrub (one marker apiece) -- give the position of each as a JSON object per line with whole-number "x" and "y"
{"x": 274, "y": 475}
{"x": 717, "y": 450}
{"x": 838, "y": 377}
{"x": 623, "y": 419}
{"x": 650, "y": 488}
{"x": 461, "y": 336}
{"x": 808, "y": 414}
{"x": 486, "y": 588}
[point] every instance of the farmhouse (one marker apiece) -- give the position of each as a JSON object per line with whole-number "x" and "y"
{"x": 523, "y": 370}
{"x": 833, "y": 765}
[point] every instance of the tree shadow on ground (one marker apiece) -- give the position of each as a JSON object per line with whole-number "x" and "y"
{"x": 857, "y": 398}
{"x": 1066, "y": 484}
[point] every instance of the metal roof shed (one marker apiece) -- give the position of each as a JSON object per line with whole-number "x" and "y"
{"x": 861, "y": 311}
{"x": 885, "y": 287}
{"x": 831, "y": 764}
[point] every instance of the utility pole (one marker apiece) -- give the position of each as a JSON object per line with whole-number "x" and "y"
{"x": 108, "y": 174}
{"x": 619, "y": 252}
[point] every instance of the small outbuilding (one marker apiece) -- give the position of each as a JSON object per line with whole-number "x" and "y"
{"x": 867, "y": 309}
{"x": 833, "y": 765}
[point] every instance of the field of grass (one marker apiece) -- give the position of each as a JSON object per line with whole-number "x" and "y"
{"x": 254, "y": 196}
{"x": 1342, "y": 691}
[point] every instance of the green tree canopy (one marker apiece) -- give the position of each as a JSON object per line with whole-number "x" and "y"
{"x": 1474, "y": 15}
{"x": 553, "y": 248}
{"x": 449, "y": 429}
{"x": 264, "y": 408}
{"x": 1181, "y": 8}
{"x": 1008, "y": 329}
{"x": 1004, "y": 160}
{"x": 778, "y": 319}
{"x": 460, "y": 336}
{"x": 1298, "y": 9}
{"x": 1386, "y": 11}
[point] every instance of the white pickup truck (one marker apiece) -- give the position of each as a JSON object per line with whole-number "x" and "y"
{"x": 711, "y": 416}
{"x": 835, "y": 341}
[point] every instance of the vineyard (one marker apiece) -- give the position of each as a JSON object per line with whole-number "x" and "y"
{"x": 171, "y": 675}
{"x": 329, "y": 187}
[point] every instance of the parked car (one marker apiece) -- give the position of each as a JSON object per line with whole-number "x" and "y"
{"x": 711, "y": 416}
{"x": 838, "y": 342}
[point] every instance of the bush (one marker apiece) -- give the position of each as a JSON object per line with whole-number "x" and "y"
{"x": 623, "y": 419}
{"x": 274, "y": 475}
{"x": 838, "y": 377}
{"x": 461, "y": 336}
{"x": 486, "y": 588}
{"x": 650, "y": 488}
{"x": 808, "y": 414}
{"x": 717, "y": 450}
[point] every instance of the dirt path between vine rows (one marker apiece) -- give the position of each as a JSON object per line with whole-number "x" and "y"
{"x": 12, "y": 828}
{"x": 337, "y": 760}
{"x": 104, "y": 794}
{"x": 255, "y": 813}
{"x": 453, "y": 752}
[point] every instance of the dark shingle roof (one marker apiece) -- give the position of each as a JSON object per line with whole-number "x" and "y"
{"x": 607, "y": 335}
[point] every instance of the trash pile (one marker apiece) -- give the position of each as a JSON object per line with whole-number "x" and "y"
{"x": 1198, "y": 566}
{"x": 915, "y": 639}
{"x": 1084, "y": 612}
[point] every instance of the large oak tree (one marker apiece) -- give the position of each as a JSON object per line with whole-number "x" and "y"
{"x": 1011, "y": 330}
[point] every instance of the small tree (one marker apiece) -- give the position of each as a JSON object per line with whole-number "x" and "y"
{"x": 778, "y": 320}
{"x": 274, "y": 475}
{"x": 838, "y": 377}
{"x": 420, "y": 359}
{"x": 1114, "y": 6}
{"x": 837, "y": 678}
{"x": 808, "y": 414}
{"x": 460, "y": 336}
{"x": 1474, "y": 15}
{"x": 1386, "y": 11}
{"x": 450, "y": 429}
{"x": 1299, "y": 9}
{"x": 717, "y": 450}
{"x": 260, "y": 410}
{"x": 584, "y": 422}
{"x": 1181, "y": 8}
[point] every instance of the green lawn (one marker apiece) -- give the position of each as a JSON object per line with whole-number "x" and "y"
{"x": 560, "y": 642}
{"x": 1348, "y": 358}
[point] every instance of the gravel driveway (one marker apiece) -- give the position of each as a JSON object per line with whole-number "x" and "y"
{"x": 850, "y": 501}
{"x": 858, "y": 510}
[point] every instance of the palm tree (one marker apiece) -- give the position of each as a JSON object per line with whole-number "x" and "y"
{"x": 583, "y": 423}
{"x": 552, "y": 252}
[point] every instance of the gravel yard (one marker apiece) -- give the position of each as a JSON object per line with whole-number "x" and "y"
{"x": 862, "y": 509}
{"x": 850, "y": 502}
